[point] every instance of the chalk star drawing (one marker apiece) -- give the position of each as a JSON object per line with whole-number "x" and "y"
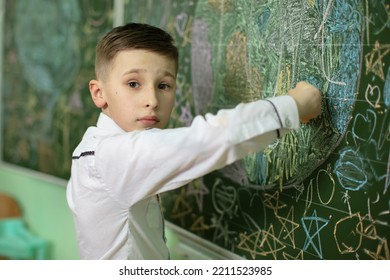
{"x": 198, "y": 189}
{"x": 374, "y": 58}
{"x": 382, "y": 250}
{"x": 273, "y": 202}
{"x": 181, "y": 207}
{"x": 248, "y": 243}
{"x": 312, "y": 231}
{"x": 270, "y": 244}
{"x": 261, "y": 243}
{"x": 288, "y": 226}
{"x": 199, "y": 225}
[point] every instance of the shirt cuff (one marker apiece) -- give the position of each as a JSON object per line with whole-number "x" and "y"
{"x": 287, "y": 111}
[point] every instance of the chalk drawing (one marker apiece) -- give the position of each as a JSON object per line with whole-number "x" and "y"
{"x": 265, "y": 56}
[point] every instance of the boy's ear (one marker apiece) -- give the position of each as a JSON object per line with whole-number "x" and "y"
{"x": 96, "y": 90}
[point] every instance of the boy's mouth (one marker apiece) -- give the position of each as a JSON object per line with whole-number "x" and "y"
{"x": 149, "y": 120}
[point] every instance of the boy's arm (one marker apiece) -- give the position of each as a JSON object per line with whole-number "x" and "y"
{"x": 139, "y": 164}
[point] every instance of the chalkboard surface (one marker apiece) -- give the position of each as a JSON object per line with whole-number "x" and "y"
{"x": 48, "y": 59}
{"x": 322, "y": 191}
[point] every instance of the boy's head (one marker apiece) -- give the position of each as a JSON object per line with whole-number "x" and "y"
{"x": 136, "y": 68}
{"x": 132, "y": 36}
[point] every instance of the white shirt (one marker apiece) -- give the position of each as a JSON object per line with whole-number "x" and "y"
{"x": 116, "y": 176}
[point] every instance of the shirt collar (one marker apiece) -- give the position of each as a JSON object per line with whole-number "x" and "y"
{"x": 106, "y": 123}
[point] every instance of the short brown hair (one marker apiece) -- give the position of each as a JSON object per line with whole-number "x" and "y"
{"x": 133, "y": 36}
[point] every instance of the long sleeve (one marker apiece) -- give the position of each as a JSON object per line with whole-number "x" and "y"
{"x": 139, "y": 164}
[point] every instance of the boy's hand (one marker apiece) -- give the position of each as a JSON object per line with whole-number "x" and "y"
{"x": 308, "y": 99}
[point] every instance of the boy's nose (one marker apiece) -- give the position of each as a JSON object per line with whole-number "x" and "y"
{"x": 151, "y": 100}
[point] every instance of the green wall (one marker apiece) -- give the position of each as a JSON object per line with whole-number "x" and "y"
{"x": 44, "y": 208}
{"x": 43, "y": 202}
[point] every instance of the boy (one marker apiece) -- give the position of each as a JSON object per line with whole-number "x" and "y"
{"x": 124, "y": 163}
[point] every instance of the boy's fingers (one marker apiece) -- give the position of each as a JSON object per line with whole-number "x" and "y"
{"x": 304, "y": 120}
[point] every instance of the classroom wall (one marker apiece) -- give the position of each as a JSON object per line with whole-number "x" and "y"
{"x": 44, "y": 209}
{"x": 43, "y": 202}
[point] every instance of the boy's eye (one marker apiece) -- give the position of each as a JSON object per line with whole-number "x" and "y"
{"x": 163, "y": 86}
{"x": 133, "y": 84}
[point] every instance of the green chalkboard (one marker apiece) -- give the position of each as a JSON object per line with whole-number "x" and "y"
{"x": 48, "y": 59}
{"x": 320, "y": 192}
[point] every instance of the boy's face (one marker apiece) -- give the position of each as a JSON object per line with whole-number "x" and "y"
{"x": 139, "y": 91}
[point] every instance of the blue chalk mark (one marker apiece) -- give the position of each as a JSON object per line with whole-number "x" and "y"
{"x": 262, "y": 20}
{"x": 369, "y": 121}
{"x": 350, "y": 171}
{"x": 343, "y": 19}
{"x": 312, "y": 231}
{"x": 386, "y": 89}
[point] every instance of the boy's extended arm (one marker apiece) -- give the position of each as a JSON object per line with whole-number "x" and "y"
{"x": 139, "y": 164}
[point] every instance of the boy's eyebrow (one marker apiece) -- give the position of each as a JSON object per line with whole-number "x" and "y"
{"x": 140, "y": 70}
